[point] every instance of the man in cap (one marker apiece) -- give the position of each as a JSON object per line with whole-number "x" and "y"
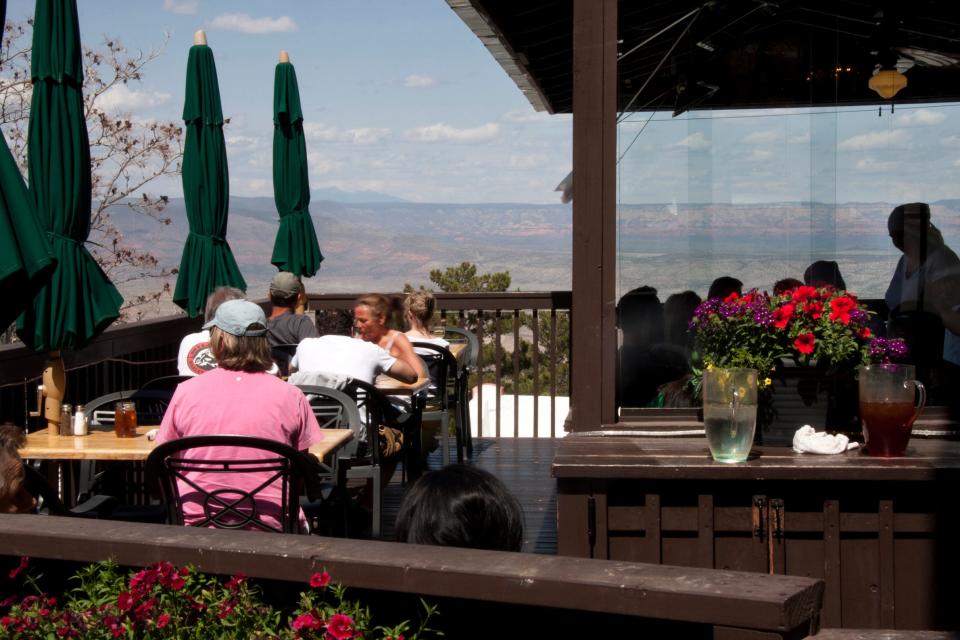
{"x": 285, "y": 326}
{"x": 239, "y": 397}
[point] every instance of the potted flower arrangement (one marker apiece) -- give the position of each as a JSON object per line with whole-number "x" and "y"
{"x": 812, "y": 336}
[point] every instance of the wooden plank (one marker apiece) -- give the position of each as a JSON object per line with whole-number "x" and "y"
{"x": 705, "y": 531}
{"x": 704, "y": 596}
{"x": 888, "y": 618}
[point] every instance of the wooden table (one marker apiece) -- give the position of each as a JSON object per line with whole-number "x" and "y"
{"x": 105, "y": 445}
{"x": 881, "y": 533}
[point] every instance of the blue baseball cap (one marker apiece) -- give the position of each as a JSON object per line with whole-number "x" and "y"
{"x": 239, "y": 318}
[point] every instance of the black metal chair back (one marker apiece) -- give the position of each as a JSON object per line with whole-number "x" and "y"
{"x": 282, "y": 354}
{"x": 164, "y": 383}
{"x": 151, "y": 405}
{"x": 172, "y": 469}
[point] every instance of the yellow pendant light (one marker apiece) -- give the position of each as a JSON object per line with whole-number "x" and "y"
{"x": 887, "y": 82}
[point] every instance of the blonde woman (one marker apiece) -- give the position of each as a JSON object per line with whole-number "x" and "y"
{"x": 418, "y": 308}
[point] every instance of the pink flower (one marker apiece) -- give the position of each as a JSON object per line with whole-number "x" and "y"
{"x": 24, "y": 561}
{"x": 340, "y": 626}
{"x": 163, "y": 620}
{"x": 805, "y": 343}
{"x": 320, "y": 580}
{"x": 306, "y": 621}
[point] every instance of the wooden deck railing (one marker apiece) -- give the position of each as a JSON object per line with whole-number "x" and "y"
{"x": 525, "y": 338}
{"x": 480, "y": 593}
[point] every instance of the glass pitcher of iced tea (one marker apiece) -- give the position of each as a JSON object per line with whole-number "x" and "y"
{"x": 891, "y": 399}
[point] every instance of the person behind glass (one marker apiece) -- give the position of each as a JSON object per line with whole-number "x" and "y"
{"x": 194, "y": 356}
{"x": 285, "y": 325}
{"x": 786, "y": 284}
{"x": 461, "y": 506}
{"x": 370, "y": 315}
{"x": 824, "y": 273}
{"x": 723, "y": 286}
{"x": 241, "y": 398}
{"x": 14, "y": 497}
{"x": 916, "y": 294}
{"x": 643, "y": 364}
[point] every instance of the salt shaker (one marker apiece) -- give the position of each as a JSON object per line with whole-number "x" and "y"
{"x": 66, "y": 420}
{"x": 80, "y": 421}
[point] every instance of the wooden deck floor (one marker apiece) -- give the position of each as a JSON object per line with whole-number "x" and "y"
{"x": 523, "y": 464}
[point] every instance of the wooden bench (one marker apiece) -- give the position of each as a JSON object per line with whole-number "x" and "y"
{"x": 480, "y": 593}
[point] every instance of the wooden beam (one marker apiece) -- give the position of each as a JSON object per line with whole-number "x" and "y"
{"x": 594, "y": 345}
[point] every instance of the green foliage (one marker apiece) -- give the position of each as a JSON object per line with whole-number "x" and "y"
{"x": 162, "y": 601}
{"x": 463, "y": 278}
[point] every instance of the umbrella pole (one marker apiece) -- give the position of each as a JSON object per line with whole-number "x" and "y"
{"x": 50, "y": 394}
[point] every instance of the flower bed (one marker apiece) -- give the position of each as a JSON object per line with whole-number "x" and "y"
{"x": 163, "y": 601}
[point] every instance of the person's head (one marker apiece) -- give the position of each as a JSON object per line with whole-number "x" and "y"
{"x": 640, "y": 316}
{"x": 218, "y": 297}
{"x": 785, "y": 284}
{"x": 285, "y": 290}
{"x": 911, "y": 231}
{"x": 461, "y": 506}
{"x": 238, "y": 337}
{"x": 724, "y": 286}
{"x": 370, "y": 315}
{"x": 824, "y": 273}
{"x": 677, "y": 312}
{"x": 418, "y": 308}
{"x": 14, "y": 497}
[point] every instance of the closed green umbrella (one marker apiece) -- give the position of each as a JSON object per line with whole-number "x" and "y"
{"x": 207, "y": 261}
{"x": 296, "y": 249}
{"x": 79, "y": 301}
{"x": 26, "y": 259}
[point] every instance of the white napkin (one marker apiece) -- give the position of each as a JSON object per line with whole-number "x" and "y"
{"x": 808, "y": 440}
{"x": 152, "y": 434}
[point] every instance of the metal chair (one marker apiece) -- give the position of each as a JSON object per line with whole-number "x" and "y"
{"x": 443, "y": 395}
{"x": 468, "y": 365}
{"x": 164, "y": 383}
{"x": 170, "y": 466}
{"x": 282, "y": 355}
{"x": 151, "y": 405}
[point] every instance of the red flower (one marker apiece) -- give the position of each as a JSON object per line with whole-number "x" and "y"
{"x": 840, "y": 309}
{"x": 814, "y": 309}
{"x": 234, "y": 583}
{"x": 865, "y": 332}
{"x": 24, "y": 561}
{"x": 306, "y": 621}
{"x": 733, "y": 297}
{"x": 176, "y": 583}
{"x": 6, "y": 621}
{"x": 783, "y": 315}
{"x": 805, "y": 343}
{"x": 747, "y": 299}
{"x": 320, "y": 580}
{"x": 163, "y": 620}
{"x": 124, "y": 600}
{"x": 339, "y": 626}
{"x": 802, "y": 294}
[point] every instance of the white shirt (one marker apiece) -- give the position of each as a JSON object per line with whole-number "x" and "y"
{"x": 194, "y": 356}
{"x": 343, "y": 355}
{"x": 440, "y": 342}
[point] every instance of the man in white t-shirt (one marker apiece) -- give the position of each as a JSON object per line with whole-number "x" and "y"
{"x": 351, "y": 357}
{"x": 194, "y": 356}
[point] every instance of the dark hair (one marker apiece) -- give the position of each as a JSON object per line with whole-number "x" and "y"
{"x": 824, "y": 272}
{"x": 677, "y": 312}
{"x": 640, "y": 316}
{"x": 240, "y": 353}
{"x": 461, "y": 506}
{"x": 218, "y": 297}
{"x": 286, "y": 301}
{"x": 724, "y": 286}
{"x": 786, "y": 284}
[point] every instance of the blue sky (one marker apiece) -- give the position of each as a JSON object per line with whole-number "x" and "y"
{"x": 398, "y": 96}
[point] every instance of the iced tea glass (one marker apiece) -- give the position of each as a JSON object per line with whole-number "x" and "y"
{"x": 730, "y": 412}
{"x": 891, "y": 399}
{"x": 125, "y": 419}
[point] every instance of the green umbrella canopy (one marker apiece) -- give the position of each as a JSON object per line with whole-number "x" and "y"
{"x": 26, "y": 258}
{"x": 80, "y": 301}
{"x": 207, "y": 261}
{"x": 296, "y": 249}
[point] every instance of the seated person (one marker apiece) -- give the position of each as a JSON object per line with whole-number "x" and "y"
{"x": 14, "y": 497}
{"x": 461, "y": 506}
{"x": 824, "y": 273}
{"x": 239, "y": 397}
{"x": 370, "y": 314}
{"x": 285, "y": 325}
{"x": 723, "y": 286}
{"x": 418, "y": 308}
{"x": 677, "y": 313}
{"x": 786, "y": 284}
{"x": 194, "y": 356}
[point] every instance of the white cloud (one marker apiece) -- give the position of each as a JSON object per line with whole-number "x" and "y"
{"x": 956, "y": 163}
{"x": 251, "y": 187}
{"x": 875, "y": 140}
{"x": 872, "y": 165}
{"x": 183, "y": 7}
{"x": 761, "y": 137}
{"x": 950, "y": 141}
{"x": 694, "y": 141}
{"x": 528, "y": 161}
{"x": 364, "y": 135}
{"x": 320, "y": 164}
{"x": 415, "y": 81}
{"x": 759, "y": 155}
{"x": 443, "y": 132}
{"x": 319, "y": 132}
{"x": 803, "y": 138}
{"x": 247, "y": 24}
{"x": 920, "y": 118}
{"x": 247, "y": 143}
{"x": 121, "y": 98}
{"x": 528, "y": 115}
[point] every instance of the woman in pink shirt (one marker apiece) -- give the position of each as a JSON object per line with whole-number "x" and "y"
{"x": 239, "y": 398}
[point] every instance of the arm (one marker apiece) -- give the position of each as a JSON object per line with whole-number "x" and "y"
{"x": 403, "y": 351}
